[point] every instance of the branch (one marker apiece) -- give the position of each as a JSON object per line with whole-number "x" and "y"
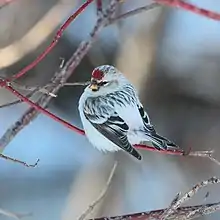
{"x": 43, "y": 89}
{"x": 61, "y": 76}
{"x": 13, "y": 215}
{"x": 175, "y": 212}
{"x": 180, "y": 213}
{"x": 19, "y": 161}
{"x": 177, "y": 202}
{"x": 5, "y": 3}
{"x": 190, "y": 7}
{"x": 134, "y": 12}
{"x": 10, "y": 133}
{"x": 54, "y": 42}
{"x": 29, "y": 95}
{"x": 58, "y": 80}
{"x": 101, "y": 196}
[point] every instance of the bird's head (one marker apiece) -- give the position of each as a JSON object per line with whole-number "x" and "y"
{"x": 106, "y": 79}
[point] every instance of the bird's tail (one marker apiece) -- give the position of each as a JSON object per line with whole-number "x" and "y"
{"x": 160, "y": 142}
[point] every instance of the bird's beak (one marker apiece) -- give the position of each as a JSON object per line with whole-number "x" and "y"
{"x": 94, "y": 86}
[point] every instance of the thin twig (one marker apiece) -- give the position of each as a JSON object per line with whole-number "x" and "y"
{"x": 54, "y": 42}
{"x": 77, "y": 83}
{"x": 29, "y": 95}
{"x": 180, "y": 213}
{"x": 13, "y": 215}
{"x": 43, "y": 89}
{"x": 42, "y": 110}
{"x": 134, "y": 12}
{"x": 175, "y": 212}
{"x": 206, "y": 154}
{"x": 19, "y": 161}
{"x": 177, "y": 202}
{"x": 190, "y": 7}
{"x": 31, "y": 88}
{"x": 62, "y": 62}
{"x": 102, "y": 194}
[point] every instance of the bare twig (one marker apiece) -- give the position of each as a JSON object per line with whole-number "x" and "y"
{"x": 134, "y": 12}
{"x": 102, "y": 194}
{"x": 62, "y": 62}
{"x": 54, "y": 42}
{"x": 180, "y": 213}
{"x": 190, "y": 7}
{"x": 77, "y": 84}
{"x": 29, "y": 95}
{"x": 175, "y": 212}
{"x": 206, "y": 154}
{"x": 44, "y": 89}
{"x": 13, "y": 215}
{"x": 32, "y": 88}
{"x": 177, "y": 202}
{"x": 19, "y": 161}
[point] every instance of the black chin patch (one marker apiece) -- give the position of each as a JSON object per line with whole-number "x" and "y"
{"x": 95, "y": 90}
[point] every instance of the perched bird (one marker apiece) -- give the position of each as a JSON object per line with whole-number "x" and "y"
{"x": 113, "y": 116}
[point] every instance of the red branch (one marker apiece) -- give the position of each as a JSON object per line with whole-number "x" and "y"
{"x": 54, "y": 42}
{"x": 99, "y": 5}
{"x": 6, "y": 84}
{"x": 39, "y": 108}
{"x": 190, "y": 7}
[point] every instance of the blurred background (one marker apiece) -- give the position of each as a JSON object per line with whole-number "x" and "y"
{"x": 170, "y": 55}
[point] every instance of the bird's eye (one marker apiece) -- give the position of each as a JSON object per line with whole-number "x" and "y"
{"x": 102, "y": 83}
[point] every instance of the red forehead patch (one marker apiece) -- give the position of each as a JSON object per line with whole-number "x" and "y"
{"x": 97, "y": 74}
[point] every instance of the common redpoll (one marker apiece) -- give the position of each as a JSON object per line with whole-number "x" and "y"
{"x": 113, "y": 116}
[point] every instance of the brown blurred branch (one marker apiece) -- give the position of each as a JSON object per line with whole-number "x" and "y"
{"x": 102, "y": 194}
{"x": 5, "y": 3}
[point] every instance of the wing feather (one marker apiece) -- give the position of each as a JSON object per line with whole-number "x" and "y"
{"x": 102, "y": 114}
{"x": 158, "y": 141}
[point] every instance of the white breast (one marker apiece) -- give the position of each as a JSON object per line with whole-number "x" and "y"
{"x": 95, "y": 137}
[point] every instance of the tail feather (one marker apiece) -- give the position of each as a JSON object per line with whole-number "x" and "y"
{"x": 160, "y": 142}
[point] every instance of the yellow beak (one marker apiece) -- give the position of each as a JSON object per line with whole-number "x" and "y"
{"x": 94, "y": 87}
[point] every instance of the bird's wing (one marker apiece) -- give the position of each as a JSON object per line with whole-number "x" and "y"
{"x": 158, "y": 141}
{"x": 102, "y": 115}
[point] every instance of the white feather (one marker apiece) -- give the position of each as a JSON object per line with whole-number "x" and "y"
{"x": 98, "y": 140}
{"x": 126, "y": 110}
{"x": 129, "y": 114}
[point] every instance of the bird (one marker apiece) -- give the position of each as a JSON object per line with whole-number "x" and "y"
{"x": 113, "y": 117}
